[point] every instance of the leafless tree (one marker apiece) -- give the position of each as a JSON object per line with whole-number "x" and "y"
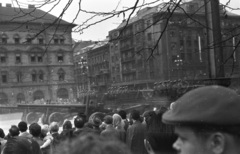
{"x": 96, "y": 17}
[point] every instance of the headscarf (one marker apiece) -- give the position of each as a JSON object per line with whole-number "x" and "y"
{"x": 118, "y": 122}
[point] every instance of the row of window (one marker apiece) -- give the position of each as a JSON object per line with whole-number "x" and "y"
{"x": 34, "y": 58}
{"x": 98, "y": 59}
{"x": 37, "y": 95}
{"x": 36, "y": 76}
{"x": 29, "y": 39}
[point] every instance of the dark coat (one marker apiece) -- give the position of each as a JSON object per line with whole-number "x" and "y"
{"x": 135, "y": 138}
{"x": 110, "y": 132}
{"x": 122, "y": 135}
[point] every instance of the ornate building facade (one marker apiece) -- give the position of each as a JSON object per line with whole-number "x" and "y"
{"x": 158, "y": 46}
{"x": 36, "y": 57}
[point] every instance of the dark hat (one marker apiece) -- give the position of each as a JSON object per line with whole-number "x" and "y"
{"x": 212, "y": 105}
{"x": 97, "y": 121}
{"x": 108, "y": 119}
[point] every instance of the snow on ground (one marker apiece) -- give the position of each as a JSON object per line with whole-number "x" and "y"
{"x": 6, "y": 120}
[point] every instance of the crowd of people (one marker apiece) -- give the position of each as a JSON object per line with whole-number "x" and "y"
{"x": 205, "y": 120}
{"x": 115, "y": 133}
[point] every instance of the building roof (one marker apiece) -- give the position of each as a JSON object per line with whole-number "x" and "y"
{"x": 163, "y": 7}
{"x": 92, "y": 47}
{"x": 23, "y": 15}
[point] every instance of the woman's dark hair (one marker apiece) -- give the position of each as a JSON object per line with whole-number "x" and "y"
{"x": 2, "y": 134}
{"x": 35, "y": 129}
{"x": 67, "y": 125}
{"x": 123, "y": 114}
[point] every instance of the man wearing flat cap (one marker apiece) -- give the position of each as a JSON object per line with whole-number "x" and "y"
{"x": 207, "y": 121}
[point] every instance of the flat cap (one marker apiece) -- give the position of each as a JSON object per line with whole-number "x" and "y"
{"x": 211, "y": 105}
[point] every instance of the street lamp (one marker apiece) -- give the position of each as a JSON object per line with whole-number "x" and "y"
{"x": 178, "y": 62}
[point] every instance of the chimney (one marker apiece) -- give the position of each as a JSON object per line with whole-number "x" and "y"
{"x": 8, "y": 5}
{"x": 31, "y": 6}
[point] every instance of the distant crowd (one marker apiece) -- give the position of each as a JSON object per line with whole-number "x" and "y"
{"x": 113, "y": 134}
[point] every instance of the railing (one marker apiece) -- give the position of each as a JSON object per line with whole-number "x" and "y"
{"x": 127, "y": 59}
{"x": 132, "y": 70}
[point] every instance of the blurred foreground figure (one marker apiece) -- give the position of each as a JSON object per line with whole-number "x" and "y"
{"x": 136, "y": 134}
{"x": 207, "y": 121}
{"x": 92, "y": 144}
{"x": 160, "y": 136}
{"x": 21, "y": 145}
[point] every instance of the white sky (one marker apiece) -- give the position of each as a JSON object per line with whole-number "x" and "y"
{"x": 100, "y": 30}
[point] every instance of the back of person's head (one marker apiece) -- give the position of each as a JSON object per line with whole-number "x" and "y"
{"x": 123, "y": 114}
{"x": 22, "y": 125}
{"x": 14, "y": 131}
{"x": 149, "y": 116}
{"x": 79, "y": 122}
{"x": 83, "y": 116}
{"x": 54, "y": 127}
{"x": 21, "y": 145}
{"x": 35, "y": 129}
{"x": 2, "y": 134}
{"x": 91, "y": 144}
{"x": 108, "y": 119}
{"x": 96, "y": 122}
{"x": 135, "y": 115}
{"x": 67, "y": 125}
{"x": 44, "y": 129}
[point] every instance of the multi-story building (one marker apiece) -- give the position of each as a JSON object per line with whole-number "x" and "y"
{"x": 81, "y": 67}
{"x": 92, "y": 70}
{"x": 98, "y": 62}
{"x": 158, "y": 46}
{"x": 36, "y": 56}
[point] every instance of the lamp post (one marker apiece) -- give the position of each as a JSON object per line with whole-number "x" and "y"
{"x": 178, "y": 62}
{"x": 83, "y": 71}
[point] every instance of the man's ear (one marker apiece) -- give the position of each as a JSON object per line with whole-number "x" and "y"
{"x": 217, "y": 142}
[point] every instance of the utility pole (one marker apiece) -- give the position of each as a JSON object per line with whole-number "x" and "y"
{"x": 214, "y": 39}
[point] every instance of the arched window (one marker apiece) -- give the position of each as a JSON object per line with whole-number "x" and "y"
{"x": 4, "y": 38}
{"x": 61, "y": 75}
{"x": 3, "y": 98}
{"x": 4, "y": 76}
{"x": 34, "y": 76}
{"x": 61, "y": 39}
{"x": 60, "y": 57}
{"x": 41, "y": 76}
{"x": 20, "y": 98}
{"x": 19, "y": 77}
{"x": 37, "y": 95}
{"x": 62, "y": 93}
{"x": 16, "y": 39}
{"x": 40, "y": 39}
{"x": 55, "y": 39}
{"x": 29, "y": 39}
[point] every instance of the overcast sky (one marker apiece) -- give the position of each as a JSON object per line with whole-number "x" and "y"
{"x": 100, "y": 30}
